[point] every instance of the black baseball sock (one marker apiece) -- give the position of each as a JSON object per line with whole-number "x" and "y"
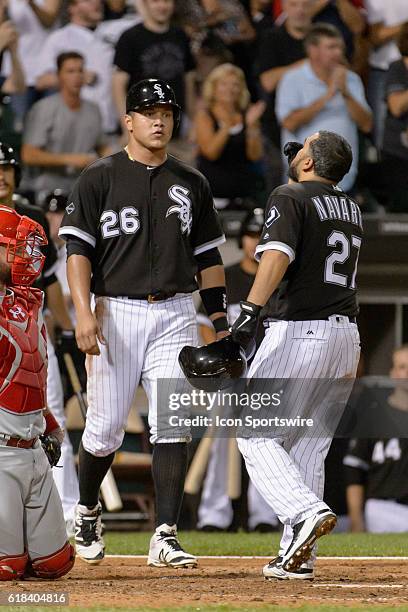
{"x": 169, "y": 467}
{"x": 92, "y": 471}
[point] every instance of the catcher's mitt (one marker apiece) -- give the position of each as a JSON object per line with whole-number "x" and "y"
{"x": 52, "y": 448}
{"x": 291, "y": 149}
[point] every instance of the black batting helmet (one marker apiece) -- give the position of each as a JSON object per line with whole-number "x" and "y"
{"x": 9, "y": 158}
{"x": 252, "y": 225}
{"x": 55, "y": 201}
{"x": 213, "y": 366}
{"x": 151, "y": 92}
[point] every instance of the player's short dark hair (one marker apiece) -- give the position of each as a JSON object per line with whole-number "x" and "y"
{"x": 332, "y": 156}
{"x": 63, "y": 57}
{"x": 320, "y": 30}
{"x": 403, "y": 40}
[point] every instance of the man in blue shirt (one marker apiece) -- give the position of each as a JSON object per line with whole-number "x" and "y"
{"x": 322, "y": 94}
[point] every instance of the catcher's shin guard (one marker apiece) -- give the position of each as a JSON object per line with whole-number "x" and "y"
{"x": 53, "y": 566}
{"x": 13, "y": 567}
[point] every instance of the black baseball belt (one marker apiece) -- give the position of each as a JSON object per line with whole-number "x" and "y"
{"x": 158, "y": 296}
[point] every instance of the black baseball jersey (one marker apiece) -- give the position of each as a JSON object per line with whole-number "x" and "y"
{"x": 319, "y": 227}
{"x": 48, "y": 276}
{"x": 381, "y": 466}
{"x": 146, "y": 225}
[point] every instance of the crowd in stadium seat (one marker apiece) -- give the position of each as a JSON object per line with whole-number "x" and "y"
{"x": 249, "y": 75}
{"x": 302, "y": 86}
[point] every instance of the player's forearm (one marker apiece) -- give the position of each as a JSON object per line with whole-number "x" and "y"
{"x": 304, "y": 115}
{"x": 355, "y": 504}
{"x": 79, "y": 272}
{"x": 360, "y": 115}
{"x": 271, "y": 270}
{"x": 212, "y": 277}
{"x": 57, "y": 306}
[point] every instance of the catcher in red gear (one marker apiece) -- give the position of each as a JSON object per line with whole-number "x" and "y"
{"x": 33, "y": 539}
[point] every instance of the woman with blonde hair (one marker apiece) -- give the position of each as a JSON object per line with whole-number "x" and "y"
{"x": 228, "y": 135}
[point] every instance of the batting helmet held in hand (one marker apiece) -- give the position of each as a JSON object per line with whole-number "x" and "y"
{"x": 151, "y": 92}
{"x": 9, "y": 158}
{"x": 213, "y": 366}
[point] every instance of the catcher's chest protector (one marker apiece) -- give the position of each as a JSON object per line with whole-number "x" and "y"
{"x": 23, "y": 351}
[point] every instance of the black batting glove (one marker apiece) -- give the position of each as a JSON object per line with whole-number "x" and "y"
{"x": 291, "y": 149}
{"x": 244, "y": 328}
{"x": 52, "y": 448}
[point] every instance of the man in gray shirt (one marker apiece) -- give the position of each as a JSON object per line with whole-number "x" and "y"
{"x": 63, "y": 133}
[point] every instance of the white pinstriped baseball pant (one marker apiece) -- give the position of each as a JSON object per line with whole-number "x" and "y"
{"x": 143, "y": 342}
{"x": 289, "y": 472}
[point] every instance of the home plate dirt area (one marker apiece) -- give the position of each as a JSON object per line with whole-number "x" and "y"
{"x": 129, "y": 582}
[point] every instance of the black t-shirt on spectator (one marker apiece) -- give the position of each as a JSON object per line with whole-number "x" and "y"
{"x": 277, "y": 48}
{"x": 144, "y": 54}
{"x": 232, "y": 175}
{"x": 396, "y": 128}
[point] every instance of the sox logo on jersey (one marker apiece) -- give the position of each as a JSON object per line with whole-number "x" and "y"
{"x": 179, "y": 194}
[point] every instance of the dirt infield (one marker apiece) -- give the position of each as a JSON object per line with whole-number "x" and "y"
{"x": 128, "y": 582}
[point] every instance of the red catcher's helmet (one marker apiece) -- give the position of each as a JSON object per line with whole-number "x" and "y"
{"x": 23, "y": 239}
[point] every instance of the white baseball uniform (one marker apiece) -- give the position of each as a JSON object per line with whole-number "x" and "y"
{"x": 311, "y": 348}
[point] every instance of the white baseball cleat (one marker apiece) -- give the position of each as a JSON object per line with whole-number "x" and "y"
{"x": 275, "y": 570}
{"x": 165, "y": 549}
{"x": 305, "y": 535}
{"x": 89, "y": 543}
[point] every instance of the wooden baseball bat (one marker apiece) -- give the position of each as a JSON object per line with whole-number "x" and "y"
{"x": 234, "y": 470}
{"x": 109, "y": 489}
{"x": 195, "y": 475}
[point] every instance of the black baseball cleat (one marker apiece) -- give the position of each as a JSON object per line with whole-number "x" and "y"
{"x": 274, "y": 570}
{"x": 305, "y": 535}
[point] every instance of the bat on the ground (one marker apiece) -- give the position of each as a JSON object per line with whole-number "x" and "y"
{"x": 109, "y": 489}
{"x": 195, "y": 475}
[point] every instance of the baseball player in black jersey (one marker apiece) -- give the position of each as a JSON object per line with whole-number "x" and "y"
{"x": 141, "y": 233}
{"x": 308, "y": 252}
{"x": 376, "y": 465}
{"x": 65, "y": 476}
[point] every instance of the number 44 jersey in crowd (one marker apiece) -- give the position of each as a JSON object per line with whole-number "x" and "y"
{"x": 319, "y": 227}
